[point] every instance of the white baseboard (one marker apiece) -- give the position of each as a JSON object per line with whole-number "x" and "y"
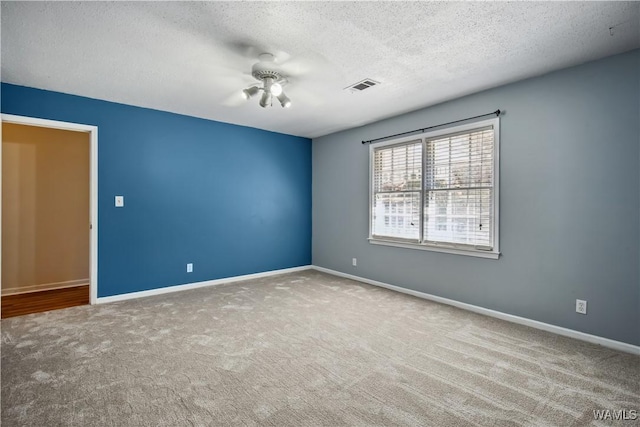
{"x": 15, "y": 290}
{"x": 605, "y": 342}
{"x": 187, "y": 286}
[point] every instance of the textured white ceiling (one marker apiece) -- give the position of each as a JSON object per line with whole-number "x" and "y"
{"x": 194, "y": 57}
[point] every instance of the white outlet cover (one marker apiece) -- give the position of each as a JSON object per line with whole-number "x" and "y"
{"x": 354, "y": 262}
{"x": 119, "y": 201}
{"x": 581, "y": 306}
{"x": 189, "y": 268}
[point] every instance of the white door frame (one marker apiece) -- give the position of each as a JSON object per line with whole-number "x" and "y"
{"x": 93, "y": 186}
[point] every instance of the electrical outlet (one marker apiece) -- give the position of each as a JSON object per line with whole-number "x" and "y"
{"x": 119, "y": 201}
{"x": 190, "y": 268}
{"x": 581, "y": 306}
{"x": 354, "y": 261}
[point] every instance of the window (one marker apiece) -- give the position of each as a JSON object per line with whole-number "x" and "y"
{"x": 438, "y": 191}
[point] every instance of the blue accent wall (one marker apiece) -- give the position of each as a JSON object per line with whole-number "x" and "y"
{"x": 230, "y": 199}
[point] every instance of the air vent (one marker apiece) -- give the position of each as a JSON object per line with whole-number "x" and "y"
{"x": 362, "y": 85}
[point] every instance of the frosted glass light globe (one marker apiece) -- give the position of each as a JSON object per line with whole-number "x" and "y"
{"x": 276, "y": 89}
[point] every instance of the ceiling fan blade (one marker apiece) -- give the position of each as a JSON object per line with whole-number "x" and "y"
{"x": 252, "y": 51}
{"x": 243, "y": 49}
{"x": 234, "y": 85}
{"x": 235, "y": 99}
{"x": 308, "y": 64}
{"x": 229, "y": 75}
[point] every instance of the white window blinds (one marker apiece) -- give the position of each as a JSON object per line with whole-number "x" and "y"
{"x": 459, "y": 189}
{"x": 437, "y": 190}
{"x": 397, "y": 189}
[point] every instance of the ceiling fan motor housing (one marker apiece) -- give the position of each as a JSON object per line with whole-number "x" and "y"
{"x": 266, "y": 68}
{"x": 262, "y": 71}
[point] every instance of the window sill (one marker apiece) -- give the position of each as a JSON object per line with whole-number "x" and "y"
{"x": 446, "y": 250}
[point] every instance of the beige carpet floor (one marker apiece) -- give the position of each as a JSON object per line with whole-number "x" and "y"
{"x": 301, "y": 349}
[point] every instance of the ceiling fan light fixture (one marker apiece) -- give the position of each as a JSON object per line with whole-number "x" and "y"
{"x": 267, "y": 72}
{"x": 266, "y": 99}
{"x": 250, "y": 92}
{"x": 276, "y": 89}
{"x": 284, "y": 100}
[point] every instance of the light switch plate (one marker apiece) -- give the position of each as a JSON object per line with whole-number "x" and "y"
{"x": 119, "y": 201}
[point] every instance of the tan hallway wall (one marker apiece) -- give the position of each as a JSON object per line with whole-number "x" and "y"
{"x": 45, "y": 208}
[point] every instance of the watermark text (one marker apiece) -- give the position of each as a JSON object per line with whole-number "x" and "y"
{"x": 615, "y": 414}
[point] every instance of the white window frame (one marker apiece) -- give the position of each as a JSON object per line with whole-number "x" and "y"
{"x": 434, "y": 246}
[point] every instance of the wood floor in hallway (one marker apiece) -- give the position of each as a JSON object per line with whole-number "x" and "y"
{"x": 36, "y": 302}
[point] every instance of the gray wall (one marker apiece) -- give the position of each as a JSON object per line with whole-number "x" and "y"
{"x": 569, "y": 202}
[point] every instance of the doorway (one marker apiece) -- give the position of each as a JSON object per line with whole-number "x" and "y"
{"x": 49, "y": 215}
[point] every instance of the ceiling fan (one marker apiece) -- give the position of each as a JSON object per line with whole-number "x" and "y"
{"x": 271, "y": 79}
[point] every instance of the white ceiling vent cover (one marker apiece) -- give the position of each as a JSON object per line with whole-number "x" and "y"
{"x": 362, "y": 85}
